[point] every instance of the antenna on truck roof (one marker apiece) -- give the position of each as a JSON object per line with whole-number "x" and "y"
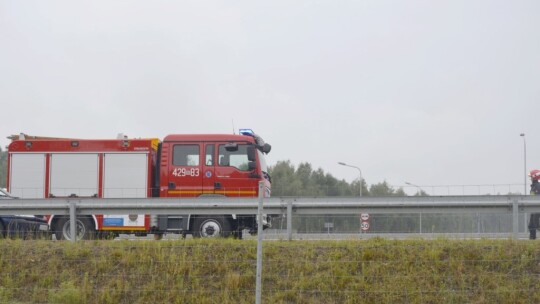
{"x": 233, "y": 130}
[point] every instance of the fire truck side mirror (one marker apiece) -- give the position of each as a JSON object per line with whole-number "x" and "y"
{"x": 231, "y": 147}
{"x": 251, "y": 153}
{"x": 266, "y": 148}
{"x": 252, "y": 165}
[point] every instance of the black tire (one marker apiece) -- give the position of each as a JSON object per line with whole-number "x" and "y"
{"x": 211, "y": 226}
{"x": 15, "y": 231}
{"x": 85, "y": 229}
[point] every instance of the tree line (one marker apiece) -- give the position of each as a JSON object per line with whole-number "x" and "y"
{"x": 303, "y": 180}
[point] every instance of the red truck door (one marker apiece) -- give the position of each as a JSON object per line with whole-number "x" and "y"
{"x": 185, "y": 173}
{"x": 233, "y": 174}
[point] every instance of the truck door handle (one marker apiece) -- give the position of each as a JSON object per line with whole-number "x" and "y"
{"x": 217, "y": 185}
{"x": 172, "y": 185}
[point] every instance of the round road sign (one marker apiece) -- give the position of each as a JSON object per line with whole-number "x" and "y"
{"x": 364, "y": 226}
{"x": 364, "y": 216}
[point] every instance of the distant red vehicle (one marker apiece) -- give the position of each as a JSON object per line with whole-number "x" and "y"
{"x": 179, "y": 166}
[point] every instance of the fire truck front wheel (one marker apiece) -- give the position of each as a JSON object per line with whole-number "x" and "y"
{"x": 85, "y": 229}
{"x": 207, "y": 227}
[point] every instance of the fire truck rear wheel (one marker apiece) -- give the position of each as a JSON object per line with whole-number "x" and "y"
{"x": 85, "y": 229}
{"x": 208, "y": 227}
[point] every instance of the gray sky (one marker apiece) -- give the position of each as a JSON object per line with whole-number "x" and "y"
{"x": 430, "y": 92}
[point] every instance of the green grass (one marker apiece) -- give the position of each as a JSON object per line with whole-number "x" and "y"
{"x": 223, "y": 271}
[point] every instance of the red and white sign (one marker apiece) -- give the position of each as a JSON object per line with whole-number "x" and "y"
{"x": 364, "y": 226}
{"x": 364, "y": 216}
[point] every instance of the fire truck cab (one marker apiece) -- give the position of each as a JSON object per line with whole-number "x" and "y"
{"x": 179, "y": 166}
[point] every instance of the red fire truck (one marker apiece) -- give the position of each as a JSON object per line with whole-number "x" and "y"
{"x": 178, "y": 166}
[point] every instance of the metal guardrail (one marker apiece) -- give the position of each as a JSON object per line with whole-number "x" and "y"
{"x": 513, "y": 205}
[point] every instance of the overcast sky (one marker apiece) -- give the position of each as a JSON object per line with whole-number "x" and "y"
{"x": 429, "y": 92}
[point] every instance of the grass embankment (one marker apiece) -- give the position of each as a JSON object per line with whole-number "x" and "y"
{"x": 223, "y": 271}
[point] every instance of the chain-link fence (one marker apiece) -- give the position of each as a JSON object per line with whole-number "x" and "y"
{"x": 404, "y": 225}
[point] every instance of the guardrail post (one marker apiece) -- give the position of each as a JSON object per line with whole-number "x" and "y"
{"x": 524, "y": 221}
{"x": 420, "y": 222}
{"x": 289, "y": 220}
{"x": 73, "y": 221}
{"x": 515, "y": 219}
{"x": 258, "y": 287}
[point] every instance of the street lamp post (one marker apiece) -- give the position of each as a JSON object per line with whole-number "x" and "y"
{"x": 524, "y": 164}
{"x": 359, "y": 171}
{"x": 419, "y": 189}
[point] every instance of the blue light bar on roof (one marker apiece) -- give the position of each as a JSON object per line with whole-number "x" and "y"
{"x": 247, "y": 132}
